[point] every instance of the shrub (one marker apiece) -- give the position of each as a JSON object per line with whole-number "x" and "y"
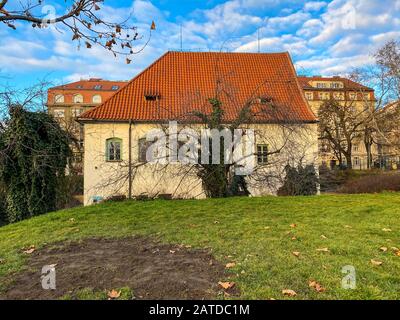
{"x": 372, "y": 184}
{"x": 299, "y": 182}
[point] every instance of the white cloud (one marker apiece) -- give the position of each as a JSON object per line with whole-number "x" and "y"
{"x": 314, "y": 5}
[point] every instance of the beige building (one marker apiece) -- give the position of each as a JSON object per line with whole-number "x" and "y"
{"x": 318, "y": 90}
{"x": 177, "y": 87}
{"x": 67, "y": 102}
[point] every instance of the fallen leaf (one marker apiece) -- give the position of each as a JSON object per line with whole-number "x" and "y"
{"x": 1, "y": 261}
{"x": 289, "y": 293}
{"x": 172, "y": 251}
{"x": 386, "y": 230}
{"x": 296, "y": 253}
{"x": 226, "y": 285}
{"x": 376, "y": 262}
{"x": 384, "y": 249}
{"x": 293, "y": 225}
{"x": 347, "y": 226}
{"x": 230, "y": 265}
{"x": 323, "y": 250}
{"x": 30, "y": 250}
{"x": 72, "y": 220}
{"x": 114, "y": 294}
{"x": 216, "y": 222}
{"x": 317, "y": 286}
{"x": 267, "y": 228}
{"x": 243, "y": 272}
{"x": 395, "y": 249}
{"x": 397, "y": 253}
{"x": 272, "y": 299}
{"x": 323, "y": 237}
{"x": 294, "y": 238}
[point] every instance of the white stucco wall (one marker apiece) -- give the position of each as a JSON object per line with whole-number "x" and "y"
{"x": 103, "y": 179}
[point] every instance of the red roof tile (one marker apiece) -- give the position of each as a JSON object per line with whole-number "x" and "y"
{"x": 184, "y": 81}
{"x": 348, "y": 84}
{"x": 90, "y": 84}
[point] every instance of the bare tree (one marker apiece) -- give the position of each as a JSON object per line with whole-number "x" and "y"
{"x": 81, "y": 19}
{"x": 341, "y": 124}
{"x": 384, "y": 76}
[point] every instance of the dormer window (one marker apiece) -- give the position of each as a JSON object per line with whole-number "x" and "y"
{"x": 114, "y": 88}
{"x": 321, "y": 85}
{"x": 97, "y": 87}
{"x": 152, "y": 97}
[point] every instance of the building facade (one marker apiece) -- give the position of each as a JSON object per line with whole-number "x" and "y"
{"x": 318, "y": 90}
{"x": 67, "y": 102}
{"x": 175, "y": 88}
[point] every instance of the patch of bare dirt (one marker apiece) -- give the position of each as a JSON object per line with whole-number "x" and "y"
{"x": 151, "y": 269}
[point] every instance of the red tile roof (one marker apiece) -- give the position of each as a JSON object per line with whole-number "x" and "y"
{"x": 90, "y": 84}
{"x": 348, "y": 84}
{"x": 184, "y": 81}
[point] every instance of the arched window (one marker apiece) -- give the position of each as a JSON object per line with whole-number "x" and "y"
{"x": 59, "y": 98}
{"x": 97, "y": 98}
{"x": 78, "y": 98}
{"x": 113, "y": 149}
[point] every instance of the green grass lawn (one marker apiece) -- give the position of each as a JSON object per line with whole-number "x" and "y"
{"x": 255, "y": 233}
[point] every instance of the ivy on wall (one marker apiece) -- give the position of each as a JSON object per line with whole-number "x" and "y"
{"x": 34, "y": 156}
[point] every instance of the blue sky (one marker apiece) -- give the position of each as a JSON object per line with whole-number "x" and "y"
{"x": 323, "y": 37}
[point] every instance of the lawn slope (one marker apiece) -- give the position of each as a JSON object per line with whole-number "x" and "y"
{"x": 258, "y": 234}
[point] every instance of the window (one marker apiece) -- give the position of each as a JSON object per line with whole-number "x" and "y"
{"x": 338, "y": 96}
{"x": 97, "y": 87}
{"x": 96, "y": 98}
{"x": 59, "y": 98}
{"x": 114, "y": 88}
{"x": 143, "y": 146}
{"x": 78, "y": 98}
{"x": 355, "y": 148}
{"x": 309, "y": 96}
{"x": 59, "y": 113}
{"x": 356, "y": 161}
{"x": 321, "y": 85}
{"x": 352, "y": 96}
{"x": 113, "y": 152}
{"x": 324, "y": 96}
{"x": 366, "y": 96}
{"x": 335, "y": 85}
{"x": 262, "y": 153}
{"x": 76, "y": 112}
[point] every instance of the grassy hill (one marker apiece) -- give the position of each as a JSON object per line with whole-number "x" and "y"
{"x": 258, "y": 234}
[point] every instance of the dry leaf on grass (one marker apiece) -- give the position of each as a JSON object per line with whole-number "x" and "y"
{"x": 296, "y": 253}
{"x": 230, "y": 265}
{"x": 323, "y": 250}
{"x": 30, "y": 250}
{"x": 386, "y": 230}
{"x": 384, "y": 249}
{"x": 347, "y": 226}
{"x": 323, "y": 237}
{"x": 172, "y": 251}
{"x": 294, "y": 238}
{"x": 1, "y": 261}
{"x": 317, "y": 286}
{"x": 397, "y": 253}
{"x": 226, "y": 285}
{"x": 376, "y": 262}
{"x": 289, "y": 293}
{"x": 395, "y": 249}
{"x": 114, "y": 294}
{"x": 293, "y": 225}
